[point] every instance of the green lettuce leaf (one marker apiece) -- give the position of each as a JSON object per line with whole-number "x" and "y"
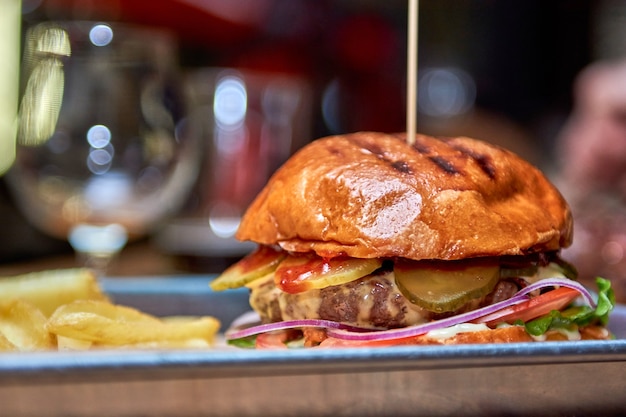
{"x": 577, "y": 316}
{"x": 244, "y": 342}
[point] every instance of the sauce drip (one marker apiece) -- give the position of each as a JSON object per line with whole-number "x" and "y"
{"x": 301, "y": 273}
{"x": 293, "y": 277}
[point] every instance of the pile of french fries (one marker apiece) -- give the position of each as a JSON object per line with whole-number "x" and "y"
{"x": 67, "y": 310}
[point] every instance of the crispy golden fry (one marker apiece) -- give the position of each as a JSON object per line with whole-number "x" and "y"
{"x": 48, "y": 290}
{"x": 68, "y": 343}
{"x": 5, "y": 345}
{"x": 107, "y": 324}
{"x": 23, "y": 325}
{"x": 67, "y": 310}
{"x": 161, "y": 344}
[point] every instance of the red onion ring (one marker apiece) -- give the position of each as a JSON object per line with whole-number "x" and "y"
{"x": 238, "y": 333}
{"x": 346, "y": 332}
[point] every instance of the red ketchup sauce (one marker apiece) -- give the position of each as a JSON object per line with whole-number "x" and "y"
{"x": 293, "y": 277}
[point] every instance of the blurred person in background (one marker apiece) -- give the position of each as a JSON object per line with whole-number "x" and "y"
{"x": 591, "y": 151}
{"x": 592, "y": 175}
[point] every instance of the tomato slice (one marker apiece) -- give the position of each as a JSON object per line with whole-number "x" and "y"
{"x": 299, "y": 273}
{"x": 332, "y": 342}
{"x": 252, "y": 267}
{"x": 533, "y": 308}
{"x": 277, "y": 339}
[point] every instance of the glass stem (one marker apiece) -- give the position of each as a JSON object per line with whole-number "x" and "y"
{"x": 97, "y": 245}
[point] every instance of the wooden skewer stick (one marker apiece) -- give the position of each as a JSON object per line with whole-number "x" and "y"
{"x": 411, "y": 93}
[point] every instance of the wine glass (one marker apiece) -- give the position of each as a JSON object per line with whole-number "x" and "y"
{"x": 250, "y": 122}
{"x": 103, "y": 156}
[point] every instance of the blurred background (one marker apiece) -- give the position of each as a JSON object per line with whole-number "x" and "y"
{"x": 502, "y": 71}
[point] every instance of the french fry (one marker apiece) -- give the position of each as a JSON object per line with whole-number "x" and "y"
{"x": 23, "y": 325}
{"x": 48, "y": 290}
{"x": 161, "y": 344}
{"x": 67, "y": 343}
{"x": 106, "y": 324}
{"x": 67, "y": 310}
{"x": 5, "y": 345}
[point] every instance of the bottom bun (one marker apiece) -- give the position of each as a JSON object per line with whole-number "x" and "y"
{"x": 513, "y": 334}
{"x": 509, "y": 334}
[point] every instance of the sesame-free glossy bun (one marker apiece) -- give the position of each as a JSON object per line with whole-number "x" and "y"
{"x": 371, "y": 195}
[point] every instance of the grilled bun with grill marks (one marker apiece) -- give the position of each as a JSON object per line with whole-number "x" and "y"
{"x": 372, "y": 195}
{"x": 445, "y": 241}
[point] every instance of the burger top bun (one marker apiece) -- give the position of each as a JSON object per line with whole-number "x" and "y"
{"x": 371, "y": 195}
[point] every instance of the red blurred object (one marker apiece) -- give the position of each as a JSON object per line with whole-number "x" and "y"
{"x": 273, "y": 57}
{"x": 206, "y": 22}
{"x": 366, "y": 49}
{"x": 366, "y": 42}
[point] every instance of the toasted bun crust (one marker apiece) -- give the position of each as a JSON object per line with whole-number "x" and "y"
{"x": 510, "y": 334}
{"x": 370, "y": 195}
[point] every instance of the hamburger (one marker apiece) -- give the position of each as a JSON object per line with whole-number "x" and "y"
{"x": 366, "y": 240}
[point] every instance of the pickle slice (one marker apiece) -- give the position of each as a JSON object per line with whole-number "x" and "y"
{"x": 306, "y": 272}
{"x": 253, "y": 266}
{"x": 444, "y": 286}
